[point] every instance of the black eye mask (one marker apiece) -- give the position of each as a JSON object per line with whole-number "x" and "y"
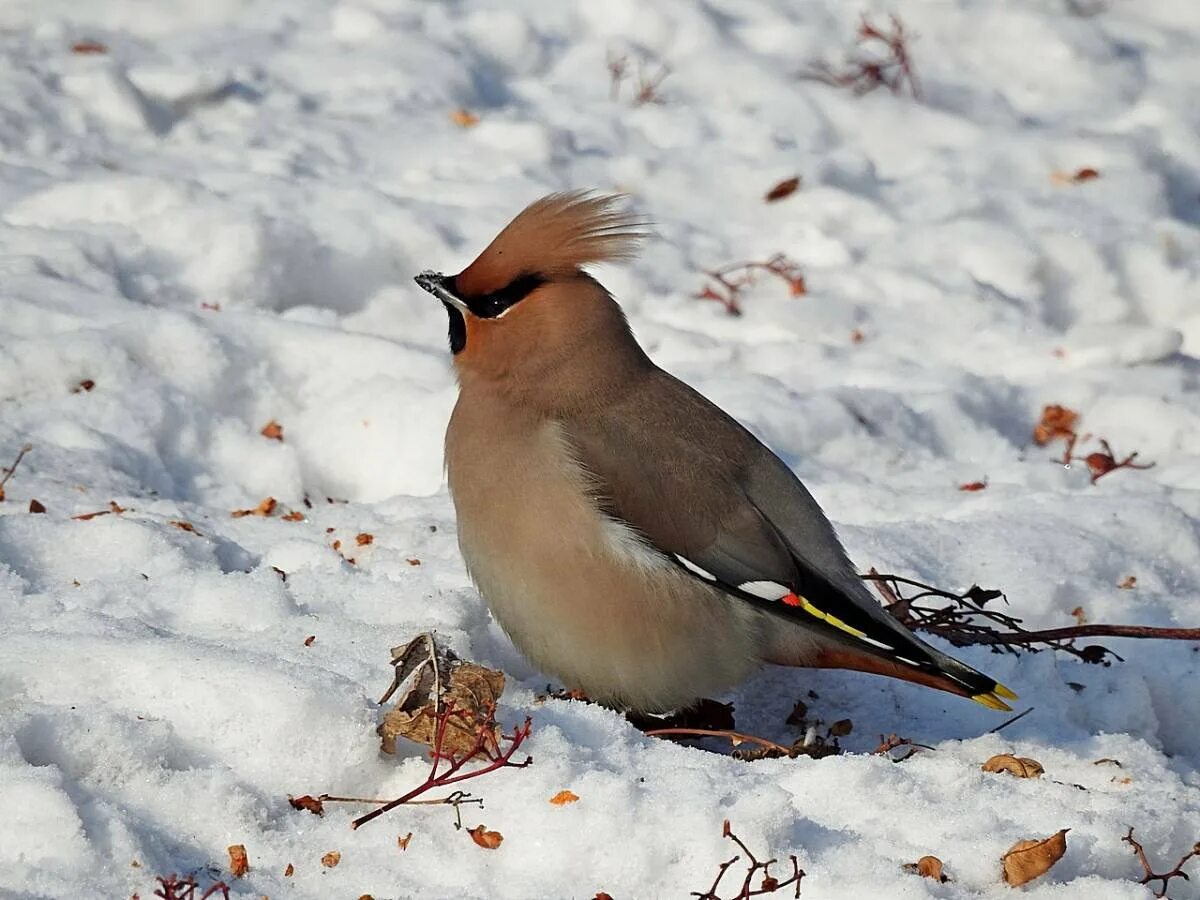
{"x": 489, "y": 306}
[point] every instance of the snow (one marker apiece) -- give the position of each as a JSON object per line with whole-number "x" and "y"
{"x": 217, "y": 221}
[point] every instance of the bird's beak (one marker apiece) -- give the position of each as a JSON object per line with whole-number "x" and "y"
{"x": 439, "y": 285}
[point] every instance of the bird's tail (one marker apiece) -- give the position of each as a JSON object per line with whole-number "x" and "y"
{"x": 930, "y": 667}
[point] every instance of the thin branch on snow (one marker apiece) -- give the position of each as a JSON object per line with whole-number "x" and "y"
{"x": 769, "y": 883}
{"x": 729, "y": 280}
{"x": 1148, "y": 871}
{"x": 880, "y": 58}
{"x": 485, "y": 749}
{"x": 966, "y": 622}
{"x": 8, "y": 473}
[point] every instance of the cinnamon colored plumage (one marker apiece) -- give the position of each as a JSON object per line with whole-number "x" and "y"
{"x": 632, "y": 538}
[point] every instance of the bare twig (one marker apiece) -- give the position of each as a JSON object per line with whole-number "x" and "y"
{"x": 8, "y": 473}
{"x": 734, "y": 737}
{"x": 485, "y": 749}
{"x": 174, "y": 888}
{"x": 731, "y": 279}
{"x": 892, "y": 741}
{"x": 966, "y": 621}
{"x": 1148, "y": 871}
{"x": 769, "y": 883}
{"x": 881, "y": 58}
{"x": 457, "y": 799}
{"x": 1008, "y": 722}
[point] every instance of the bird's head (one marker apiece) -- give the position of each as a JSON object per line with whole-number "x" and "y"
{"x": 526, "y": 304}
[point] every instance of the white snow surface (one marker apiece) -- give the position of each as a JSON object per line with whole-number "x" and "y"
{"x": 217, "y": 220}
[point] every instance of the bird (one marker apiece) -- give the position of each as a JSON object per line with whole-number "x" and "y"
{"x": 632, "y": 538}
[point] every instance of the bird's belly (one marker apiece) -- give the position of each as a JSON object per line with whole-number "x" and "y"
{"x": 586, "y": 600}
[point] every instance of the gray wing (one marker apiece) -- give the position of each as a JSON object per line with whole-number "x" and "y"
{"x": 709, "y": 495}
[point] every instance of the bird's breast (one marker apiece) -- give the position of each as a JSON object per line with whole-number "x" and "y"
{"x": 582, "y": 595}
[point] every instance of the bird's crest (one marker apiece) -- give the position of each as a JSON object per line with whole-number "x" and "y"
{"x": 557, "y": 235}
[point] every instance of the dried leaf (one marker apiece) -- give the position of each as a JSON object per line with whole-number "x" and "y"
{"x": 184, "y": 526}
{"x": 1080, "y": 615}
{"x": 797, "y": 715}
{"x": 265, "y": 508}
{"x": 294, "y": 516}
{"x": 404, "y": 841}
{"x": 464, "y": 118}
{"x": 363, "y": 539}
{"x": 88, "y": 47}
{"x": 272, "y": 430}
{"x": 239, "y": 863}
{"x": 785, "y": 188}
{"x": 1028, "y": 860}
{"x": 331, "y": 859}
{"x": 423, "y": 669}
{"x": 35, "y": 506}
{"x": 289, "y": 871}
{"x": 413, "y": 562}
{"x": 1020, "y": 766}
{"x": 857, "y": 336}
{"x": 1107, "y": 761}
{"x": 1057, "y": 421}
{"x": 86, "y": 385}
{"x": 841, "y": 728}
{"x": 308, "y": 641}
{"x": 1128, "y": 583}
{"x": 489, "y": 840}
{"x": 562, "y": 798}
{"x": 928, "y": 867}
{"x": 603, "y": 895}
{"x": 113, "y": 509}
{"x": 1086, "y": 174}
{"x": 973, "y": 486}
{"x": 312, "y": 804}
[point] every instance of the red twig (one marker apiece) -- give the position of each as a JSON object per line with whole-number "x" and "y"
{"x": 8, "y": 473}
{"x": 1103, "y": 461}
{"x": 485, "y": 749}
{"x": 880, "y": 59}
{"x": 1148, "y": 871}
{"x": 731, "y": 279}
{"x": 173, "y": 888}
{"x": 769, "y": 883}
{"x": 734, "y": 737}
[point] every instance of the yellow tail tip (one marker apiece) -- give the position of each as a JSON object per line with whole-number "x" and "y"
{"x": 991, "y": 701}
{"x": 1001, "y": 691}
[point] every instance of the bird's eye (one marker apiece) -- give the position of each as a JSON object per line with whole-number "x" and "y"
{"x": 492, "y": 305}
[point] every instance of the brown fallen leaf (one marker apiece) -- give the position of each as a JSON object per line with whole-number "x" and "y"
{"x": 1080, "y": 615}
{"x": 337, "y": 544}
{"x": 239, "y": 863}
{"x": 265, "y": 508}
{"x": 1085, "y": 174}
{"x": 603, "y": 895}
{"x": 312, "y": 804}
{"x": 294, "y": 516}
{"x": 1057, "y": 421}
{"x": 289, "y": 871}
{"x": 36, "y": 506}
{"x": 426, "y": 669}
{"x": 88, "y": 47}
{"x": 857, "y": 336}
{"x": 841, "y": 728}
{"x": 1020, "y": 766}
{"x": 464, "y": 118}
{"x": 413, "y": 562}
{"x": 113, "y": 510}
{"x": 1128, "y": 583}
{"x": 1027, "y": 860}
{"x": 86, "y": 385}
{"x": 488, "y": 840}
{"x": 785, "y": 188}
{"x": 331, "y": 859}
{"x": 363, "y": 539}
{"x": 308, "y": 641}
{"x": 273, "y": 431}
{"x": 562, "y": 798}
{"x": 404, "y": 841}
{"x": 184, "y": 526}
{"x": 928, "y": 867}
{"x": 973, "y": 486}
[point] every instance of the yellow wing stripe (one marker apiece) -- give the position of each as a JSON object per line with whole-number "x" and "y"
{"x": 804, "y": 604}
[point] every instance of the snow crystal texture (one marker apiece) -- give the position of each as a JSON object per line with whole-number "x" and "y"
{"x": 213, "y": 223}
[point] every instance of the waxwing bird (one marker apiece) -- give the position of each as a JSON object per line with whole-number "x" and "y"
{"x": 631, "y": 538}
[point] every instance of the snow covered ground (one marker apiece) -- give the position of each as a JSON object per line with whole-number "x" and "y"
{"x": 215, "y": 223}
